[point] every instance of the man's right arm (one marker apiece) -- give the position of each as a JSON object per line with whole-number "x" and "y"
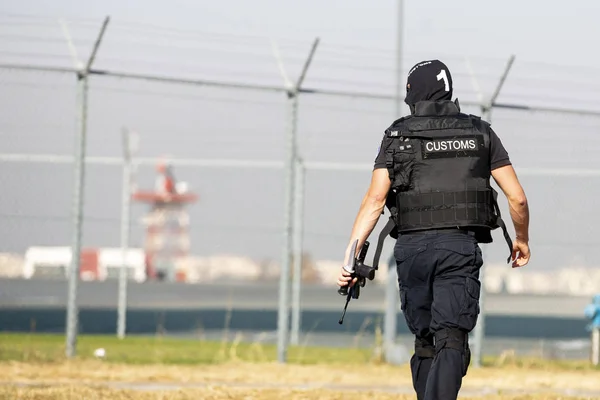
{"x": 507, "y": 180}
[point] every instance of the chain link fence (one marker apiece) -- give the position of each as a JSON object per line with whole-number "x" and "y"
{"x": 239, "y": 211}
{"x": 225, "y": 137}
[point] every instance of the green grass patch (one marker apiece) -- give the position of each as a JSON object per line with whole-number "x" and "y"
{"x": 165, "y": 350}
{"x": 140, "y": 350}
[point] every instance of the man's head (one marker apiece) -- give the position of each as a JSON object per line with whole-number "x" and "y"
{"x": 428, "y": 80}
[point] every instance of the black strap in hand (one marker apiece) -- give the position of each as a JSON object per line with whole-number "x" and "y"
{"x": 387, "y": 229}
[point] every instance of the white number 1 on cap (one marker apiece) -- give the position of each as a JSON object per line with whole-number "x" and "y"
{"x": 442, "y": 75}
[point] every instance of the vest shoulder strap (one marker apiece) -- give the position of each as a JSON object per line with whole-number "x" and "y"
{"x": 479, "y": 123}
{"x": 482, "y": 126}
{"x": 398, "y": 127}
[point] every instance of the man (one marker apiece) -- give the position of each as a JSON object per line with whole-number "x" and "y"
{"x": 432, "y": 172}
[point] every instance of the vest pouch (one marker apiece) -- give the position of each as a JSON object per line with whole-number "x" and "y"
{"x": 400, "y": 160}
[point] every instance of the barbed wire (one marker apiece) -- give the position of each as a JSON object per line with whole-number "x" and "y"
{"x": 342, "y": 49}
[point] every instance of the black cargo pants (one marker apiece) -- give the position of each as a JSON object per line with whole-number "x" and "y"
{"x": 438, "y": 276}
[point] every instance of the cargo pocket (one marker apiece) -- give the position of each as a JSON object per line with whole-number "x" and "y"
{"x": 406, "y": 310}
{"x": 473, "y": 287}
{"x": 403, "y": 299}
{"x": 470, "y": 309}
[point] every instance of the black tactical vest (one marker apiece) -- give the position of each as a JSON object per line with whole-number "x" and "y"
{"x": 439, "y": 165}
{"x": 440, "y": 172}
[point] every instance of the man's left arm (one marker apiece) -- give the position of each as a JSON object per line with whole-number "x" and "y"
{"x": 370, "y": 210}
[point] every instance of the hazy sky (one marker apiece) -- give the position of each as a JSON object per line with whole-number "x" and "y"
{"x": 240, "y": 210}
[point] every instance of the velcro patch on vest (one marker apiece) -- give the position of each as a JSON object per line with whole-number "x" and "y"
{"x": 452, "y": 147}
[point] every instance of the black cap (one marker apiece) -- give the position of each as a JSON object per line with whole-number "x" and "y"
{"x": 428, "y": 80}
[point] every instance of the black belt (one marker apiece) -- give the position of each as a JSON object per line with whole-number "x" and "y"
{"x": 436, "y": 230}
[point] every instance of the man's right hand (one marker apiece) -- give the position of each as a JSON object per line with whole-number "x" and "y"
{"x": 520, "y": 254}
{"x": 345, "y": 278}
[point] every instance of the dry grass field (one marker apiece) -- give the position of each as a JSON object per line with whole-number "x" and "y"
{"x": 222, "y": 393}
{"x": 34, "y": 367}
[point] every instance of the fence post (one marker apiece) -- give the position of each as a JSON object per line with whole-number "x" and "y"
{"x": 391, "y": 309}
{"x": 595, "y": 346}
{"x": 298, "y": 232}
{"x": 479, "y": 331}
{"x": 391, "y": 288}
{"x": 78, "y": 189}
{"x": 125, "y": 230}
{"x": 290, "y": 160}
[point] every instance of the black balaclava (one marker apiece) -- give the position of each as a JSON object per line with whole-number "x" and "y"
{"x": 428, "y": 80}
